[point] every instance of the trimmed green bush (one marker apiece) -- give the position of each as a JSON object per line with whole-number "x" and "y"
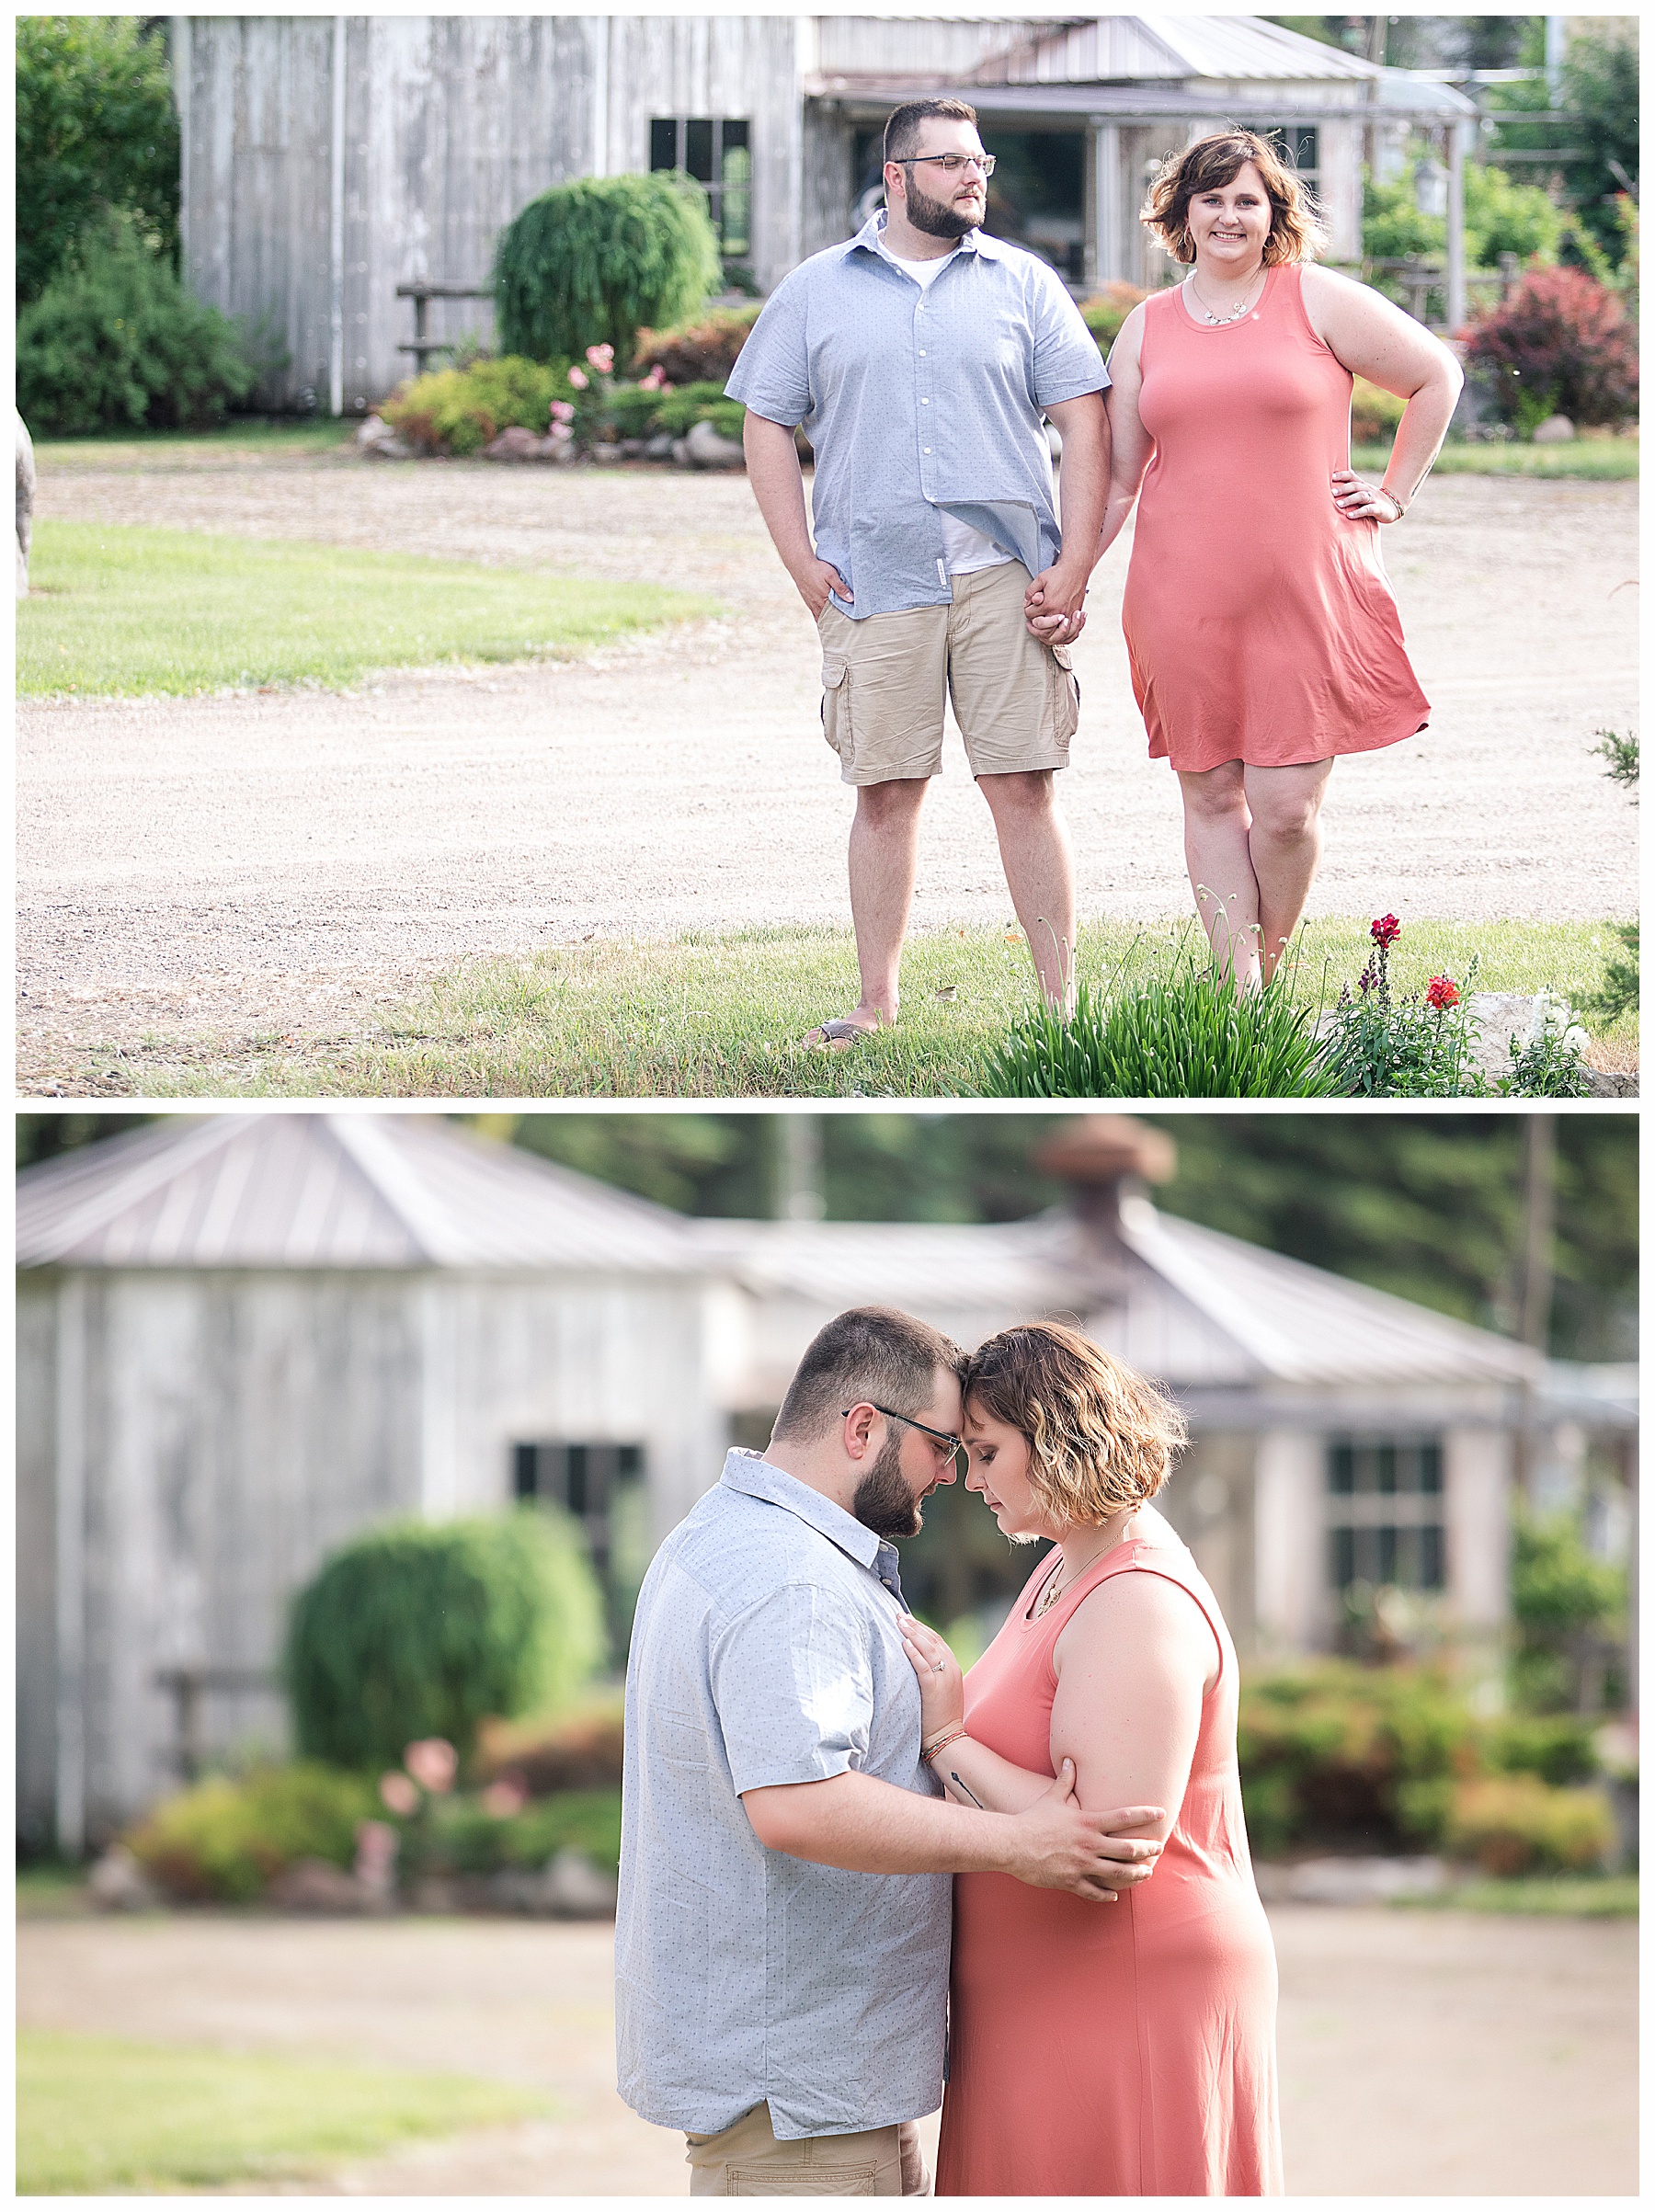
{"x": 1105, "y": 311}
{"x": 117, "y": 342}
{"x": 1561, "y": 345}
{"x": 419, "y": 1630}
{"x": 224, "y": 1841}
{"x": 1181, "y": 1036}
{"x": 1513, "y": 1824}
{"x": 678, "y": 411}
{"x": 466, "y": 1839}
{"x": 702, "y": 350}
{"x": 593, "y": 262}
{"x": 462, "y": 410}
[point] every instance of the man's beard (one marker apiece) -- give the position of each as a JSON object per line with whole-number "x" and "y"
{"x": 937, "y": 218}
{"x": 884, "y": 1501}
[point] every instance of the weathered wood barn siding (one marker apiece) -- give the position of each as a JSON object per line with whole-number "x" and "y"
{"x": 327, "y": 160}
{"x": 192, "y": 1443}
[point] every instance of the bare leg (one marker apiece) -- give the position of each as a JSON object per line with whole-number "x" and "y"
{"x": 1216, "y": 850}
{"x": 1284, "y": 844}
{"x": 884, "y": 851}
{"x": 1039, "y": 874}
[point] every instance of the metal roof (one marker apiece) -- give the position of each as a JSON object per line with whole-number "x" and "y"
{"x": 322, "y": 1191}
{"x": 1198, "y": 1309}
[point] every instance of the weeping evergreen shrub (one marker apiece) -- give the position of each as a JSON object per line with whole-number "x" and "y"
{"x": 419, "y": 1629}
{"x": 593, "y": 262}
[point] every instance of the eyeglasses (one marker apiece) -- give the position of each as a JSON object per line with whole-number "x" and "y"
{"x": 953, "y": 1444}
{"x": 953, "y": 165}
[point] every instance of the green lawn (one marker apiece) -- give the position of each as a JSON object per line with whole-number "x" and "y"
{"x": 1604, "y": 1898}
{"x": 121, "y": 610}
{"x": 720, "y": 1015}
{"x": 254, "y": 436}
{"x": 1602, "y": 459}
{"x": 96, "y": 2116}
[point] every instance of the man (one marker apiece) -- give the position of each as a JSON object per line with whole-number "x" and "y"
{"x": 918, "y": 359}
{"x": 782, "y": 1937}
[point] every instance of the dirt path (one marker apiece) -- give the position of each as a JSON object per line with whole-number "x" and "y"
{"x": 287, "y": 864}
{"x": 1421, "y": 2053}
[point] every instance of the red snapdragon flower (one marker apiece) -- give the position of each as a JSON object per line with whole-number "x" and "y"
{"x": 1385, "y": 929}
{"x": 1441, "y": 993}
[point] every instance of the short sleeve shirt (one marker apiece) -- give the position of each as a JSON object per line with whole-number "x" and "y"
{"x": 918, "y": 399}
{"x": 766, "y": 1650}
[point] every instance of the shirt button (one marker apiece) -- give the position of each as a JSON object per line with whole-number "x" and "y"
{"x": 927, "y": 449}
{"x": 922, "y": 353}
{"x": 925, "y": 403}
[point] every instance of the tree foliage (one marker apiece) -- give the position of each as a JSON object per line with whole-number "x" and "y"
{"x": 96, "y": 130}
{"x": 423, "y": 1629}
{"x": 594, "y": 262}
{"x": 115, "y": 342}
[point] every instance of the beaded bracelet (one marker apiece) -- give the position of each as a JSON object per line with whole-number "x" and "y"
{"x": 941, "y": 1744}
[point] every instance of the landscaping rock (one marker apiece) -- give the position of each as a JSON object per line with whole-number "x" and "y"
{"x": 607, "y": 455}
{"x": 1611, "y": 1083}
{"x": 704, "y": 448}
{"x": 317, "y": 1885}
{"x": 1504, "y": 1015}
{"x": 117, "y": 1884}
{"x": 378, "y": 441}
{"x": 659, "y": 447}
{"x": 1556, "y": 430}
{"x": 568, "y": 1887}
{"x": 518, "y": 444}
{"x": 1349, "y": 1881}
{"x": 26, "y": 492}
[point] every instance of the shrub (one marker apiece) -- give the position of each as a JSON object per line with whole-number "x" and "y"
{"x": 1105, "y": 311}
{"x": 116, "y": 342}
{"x": 677, "y": 411}
{"x": 1513, "y": 1824}
{"x": 703, "y": 351}
{"x": 224, "y": 1841}
{"x": 1502, "y": 217}
{"x": 1374, "y": 413}
{"x": 418, "y": 1630}
{"x": 1401, "y": 1046}
{"x": 592, "y": 262}
{"x": 96, "y": 130}
{"x": 1561, "y": 1596}
{"x": 1558, "y": 1747}
{"x": 1560, "y": 345}
{"x": 584, "y": 1753}
{"x": 460, "y": 410}
{"x": 1181, "y": 1036}
{"x": 466, "y": 1839}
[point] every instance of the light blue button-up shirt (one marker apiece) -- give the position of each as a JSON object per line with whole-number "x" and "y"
{"x": 766, "y": 1650}
{"x": 918, "y": 398}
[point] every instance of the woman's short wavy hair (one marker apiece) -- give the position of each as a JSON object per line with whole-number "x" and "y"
{"x": 1100, "y": 1436}
{"x": 1297, "y": 230}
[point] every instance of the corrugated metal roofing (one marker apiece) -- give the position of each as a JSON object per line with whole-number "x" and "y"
{"x": 333, "y": 1191}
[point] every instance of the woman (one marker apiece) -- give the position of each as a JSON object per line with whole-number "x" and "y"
{"x": 1126, "y": 2048}
{"x": 1263, "y": 636}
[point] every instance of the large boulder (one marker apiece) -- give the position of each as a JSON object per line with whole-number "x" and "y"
{"x": 705, "y": 447}
{"x": 26, "y": 492}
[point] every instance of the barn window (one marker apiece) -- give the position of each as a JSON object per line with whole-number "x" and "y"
{"x": 1385, "y": 1512}
{"x": 717, "y": 152}
{"x": 601, "y": 1487}
{"x": 1298, "y": 145}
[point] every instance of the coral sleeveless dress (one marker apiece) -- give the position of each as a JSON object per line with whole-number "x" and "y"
{"x": 1259, "y": 620}
{"x": 1124, "y": 2049}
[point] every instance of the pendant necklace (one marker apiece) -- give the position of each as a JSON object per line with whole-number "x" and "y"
{"x": 1237, "y": 312}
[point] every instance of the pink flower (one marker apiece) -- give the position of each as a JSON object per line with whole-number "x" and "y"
{"x": 1441, "y": 993}
{"x": 399, "y": 1794}
{"x": 501, "y": 1799}
{"x": 433, "y": 1763}
{"x": 655, "y": 381}
{"x": 562, "y": 411}
{"x": 1386, "y": 930}
{"x": 579, "y": 379}
{"x": 602, "y": 359}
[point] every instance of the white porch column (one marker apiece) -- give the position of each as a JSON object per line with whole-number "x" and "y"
{"x": 1108, "y": 247}
{"x": 1457, "y": 135}
{"x": 1290, "y": 1567}
{"x": 70, "y": 1812}
{"x": 1476, "y": 1482}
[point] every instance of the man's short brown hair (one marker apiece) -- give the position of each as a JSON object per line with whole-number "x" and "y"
{"x": 872, "y": 1355}
{"x": 902, "y": 125}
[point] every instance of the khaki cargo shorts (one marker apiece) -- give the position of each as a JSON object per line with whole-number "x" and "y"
{"x": 748, "y": 2161}
{"x": 885, "y": 681}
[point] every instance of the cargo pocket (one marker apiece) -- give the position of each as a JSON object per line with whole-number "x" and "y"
{"x": 1063, "y": 696}
{"x": 836, "y": 707}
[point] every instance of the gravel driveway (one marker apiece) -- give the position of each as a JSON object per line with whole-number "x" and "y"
{"x": 1421, "y": 2053}
{"x": 281, "y": 862}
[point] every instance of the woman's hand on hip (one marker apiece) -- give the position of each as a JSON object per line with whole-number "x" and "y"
{"x": 942, "y": 1685}
{"x": 1365, "y": 502}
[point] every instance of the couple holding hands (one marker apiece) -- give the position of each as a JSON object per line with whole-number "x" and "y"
{"x": 849, "y": 1877}
{"x": 920, "y": 359}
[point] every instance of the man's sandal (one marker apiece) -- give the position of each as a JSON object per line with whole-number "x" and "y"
{"x": 838, "y": 1036}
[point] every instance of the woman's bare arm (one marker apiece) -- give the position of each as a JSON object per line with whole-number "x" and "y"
{"x": 1130, "y": 444}
{"x": 1371, "y": 336}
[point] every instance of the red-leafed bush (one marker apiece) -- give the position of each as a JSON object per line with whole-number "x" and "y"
{"x": 1560, "y": 345}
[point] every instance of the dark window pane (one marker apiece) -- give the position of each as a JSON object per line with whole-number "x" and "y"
{"x": 1341, "y": 1470}
{"x": 523, "y": 1470}
{"x": 698, "y": 150}
{"x": 735, "y": 134}
{"x": 1387, "y": 1470}
{"x": 1430, "y": 1557}
{"x": 663, "y": 143}
{"x": 1388, "y": 1554}
{"x": 574, "y": 1490}
{"x": 1344, "y": 1558}
{"x": 736, "y": 171}
{"x": 629, "y": 1460}
{"x": 1431, "y": 1470}
{"x": 1408, "y": 1558}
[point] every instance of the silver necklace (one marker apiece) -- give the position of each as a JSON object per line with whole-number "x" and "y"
{"x": 1237, "y": 314}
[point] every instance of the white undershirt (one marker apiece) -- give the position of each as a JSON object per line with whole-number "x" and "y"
{"x": 964, "y": 550}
